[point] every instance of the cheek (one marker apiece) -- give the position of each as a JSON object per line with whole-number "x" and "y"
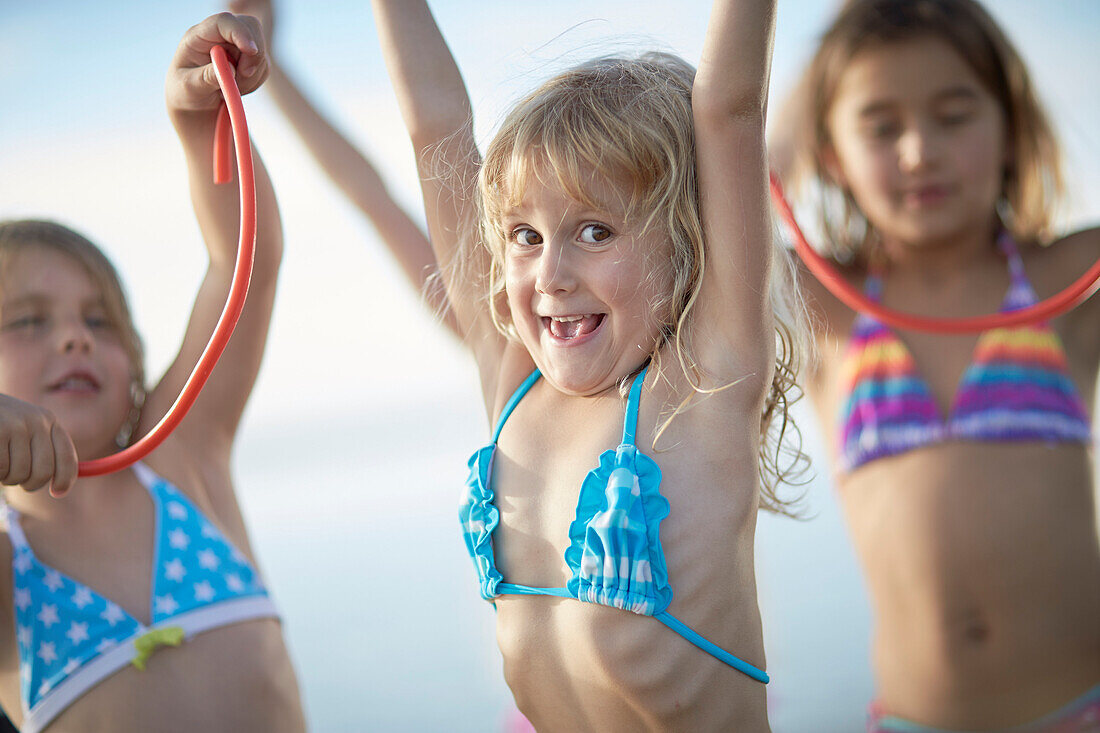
{"x": 20, "y": 369}
{"x": 866, "y": 168}
{"x": 117, "y": 366}
{"x": 987, "y": 158}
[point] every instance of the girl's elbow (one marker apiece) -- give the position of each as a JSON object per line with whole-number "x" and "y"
{"x": 716, "y": 106}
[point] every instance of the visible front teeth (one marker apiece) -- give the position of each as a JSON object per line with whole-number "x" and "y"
{"x": 569, "y": 327}
{"x": 76, "y": 383}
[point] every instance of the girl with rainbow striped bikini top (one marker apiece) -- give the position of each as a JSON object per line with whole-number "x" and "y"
{"x": 1016, "y": 388}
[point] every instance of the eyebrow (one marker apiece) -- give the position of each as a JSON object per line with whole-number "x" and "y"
{"x": 952, "y": 93}
{"x": 878, "y": 107}
{"x": 35, "y": 299}
{"x": 28, "y": 299}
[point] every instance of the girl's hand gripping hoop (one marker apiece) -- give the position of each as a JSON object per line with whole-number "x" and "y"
{"x": 1078, "y": 291}
{"x": 230, "y": 121}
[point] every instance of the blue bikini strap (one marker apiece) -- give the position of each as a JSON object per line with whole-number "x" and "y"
{"x": 630, "y": 424}
{"x": 522, "y": 390}
{"x": 531, "y": 590}
{"x": 710, "y": 648}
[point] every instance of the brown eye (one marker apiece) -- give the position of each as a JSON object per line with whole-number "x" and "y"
{"x": 882, "y": 129}
{"x": 595, "y": 234}
{"x": 526, "y": 237}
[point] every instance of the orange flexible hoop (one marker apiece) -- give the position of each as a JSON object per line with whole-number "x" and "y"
{"x": 231, "y": 121}
{"x": 1078, "y": 292}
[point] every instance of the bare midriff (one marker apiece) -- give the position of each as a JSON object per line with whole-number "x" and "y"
{"x": 237, "y": 677}
{"x": 983, "y": 567}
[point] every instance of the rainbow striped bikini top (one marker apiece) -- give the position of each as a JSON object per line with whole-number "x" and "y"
{"x": 1017, "y": 387}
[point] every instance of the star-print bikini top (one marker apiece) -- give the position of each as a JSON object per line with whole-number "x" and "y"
{"x": 615, "y": 554}
{"x": 1016, "y": 388}
{"x": 71, "y": 638}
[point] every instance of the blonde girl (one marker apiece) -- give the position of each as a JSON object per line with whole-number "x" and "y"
{"x": 609, "y": 264}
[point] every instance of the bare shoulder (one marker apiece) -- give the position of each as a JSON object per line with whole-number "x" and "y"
{"x": 827, "y": 313}
{"x": 1054, "y": 268}
{"x": 206, "y": 481}
{"x": 829, "y": 320}
{"x": 1058, "y": 264}
{"x": 502, "y": 377}
{"x": 7, "y": 607}
{"x": 9, "y": 653}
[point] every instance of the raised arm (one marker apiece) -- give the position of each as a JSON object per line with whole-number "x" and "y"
{"x": 784, "y": 140}
{"x": 734, "y": 324}
{"x": 193, "y": 100}
{"x": 350, "y": 170}
{"x": 437, "y": 113}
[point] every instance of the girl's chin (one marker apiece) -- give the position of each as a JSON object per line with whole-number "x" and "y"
{"x": 578, "y": 383}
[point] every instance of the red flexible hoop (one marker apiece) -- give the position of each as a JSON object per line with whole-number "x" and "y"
{"x": 230, "y": 121}
{"x": 1077, "y": 293}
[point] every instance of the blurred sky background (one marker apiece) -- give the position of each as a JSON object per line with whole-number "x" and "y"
{"x": 352, "y": 455}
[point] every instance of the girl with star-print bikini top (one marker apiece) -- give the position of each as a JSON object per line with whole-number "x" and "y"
{"x": 71, "y": 638}
{"x": 1016, "y": 388}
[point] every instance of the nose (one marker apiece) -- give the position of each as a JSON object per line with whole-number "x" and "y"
{"x": 74, "y": 336}
{"x": 918, "y": 148}
{"x": 555, "y": 274}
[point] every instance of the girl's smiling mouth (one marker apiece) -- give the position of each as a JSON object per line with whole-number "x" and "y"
{"x": 572, "y": 328}
{"x": 75, "y": 382}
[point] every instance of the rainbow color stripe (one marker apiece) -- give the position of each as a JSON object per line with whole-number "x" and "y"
{"x": 1016, "y": 388}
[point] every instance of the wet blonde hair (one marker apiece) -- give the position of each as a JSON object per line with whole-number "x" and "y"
{"x": 1032, "y": 178}
{"x": 24, "y": 234}
{"x": 630, "y": 121}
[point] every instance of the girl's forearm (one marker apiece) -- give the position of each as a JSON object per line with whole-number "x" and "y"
{"x": 735, "y": 64}
{"x": 426, "y": 79}
{"x": 217, "y": 207}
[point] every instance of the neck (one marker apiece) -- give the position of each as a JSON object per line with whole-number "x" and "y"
{"x": 942, "y": 259}
{"x": 85, "y": 496}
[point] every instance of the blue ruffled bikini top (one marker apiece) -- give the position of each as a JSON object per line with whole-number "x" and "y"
{"x": 615, "y": 555}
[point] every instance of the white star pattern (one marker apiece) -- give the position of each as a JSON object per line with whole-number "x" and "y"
{"x": 105, "y": 645}
{"x": 113, "y": 614}
{"x": 48, "y": 615}
{"x": 175, "y": 570}
{"x": 25, "y": 673}
{"x": 233, "y": 582}
{"x": 22, "y": 598}
{"x": 208, "y": 560}
{"x": 177, "y": 510}
{"x": 204, "y": 591}
{"x": 22, "y": 562}
{"x": 77, "y": 632}
{"x": 46, "y": 652}
{"x": 82, "y": 597}
{"x": 44, "y": 688}
{"x": 24, "y": 635}
{"x": 178, "y": 539}
{"x": 71, "y": 666}
{"x": 208, "y": 531}
{"x": 165, "y": 604}
{"x": 53, "y": 581}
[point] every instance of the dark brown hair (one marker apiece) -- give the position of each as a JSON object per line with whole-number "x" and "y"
{"x": 1033, "y": 177}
